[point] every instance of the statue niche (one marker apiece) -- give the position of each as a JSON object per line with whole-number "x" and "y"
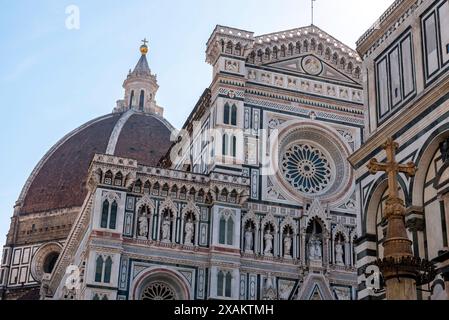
{"x": 268, "y": 239}
{"x": 315, "y": 243}
{"x": 189, "y": 229}
{"x": 249, "y": 237}
{"x": 142, "y": 221}
{"x": 288, "y": 242}
{"x": 166, "y": 223}
{"x": 339, "y": 250}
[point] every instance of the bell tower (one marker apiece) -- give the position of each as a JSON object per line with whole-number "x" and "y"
{"x": 140, "y": 87}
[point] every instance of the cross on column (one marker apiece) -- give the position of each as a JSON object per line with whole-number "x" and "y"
{"x": 145, "y": 41}
{"x": 392, "y": 168}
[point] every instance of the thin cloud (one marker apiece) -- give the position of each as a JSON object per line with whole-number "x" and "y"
{"x": 21, "y": 69}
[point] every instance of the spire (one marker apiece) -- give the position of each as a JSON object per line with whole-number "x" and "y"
{"x": 140, "y": 87}
{"x": 142, "y": 67}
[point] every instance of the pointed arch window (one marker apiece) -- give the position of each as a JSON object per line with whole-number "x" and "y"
{"x": 113, "y": 217}
{"x": 230, "y": 232}
{"x": 103, "y": 269}
{"x": 222, "y": 232}
{"x": 234, "y": 146}
{"x": 225, "y": 144}
{"x": 226, "y": 111}
{"x": 220, "y": 283}
{"x": 105, "y": 214}
{"x": 107, "y": 270}
{"x": 228, "y": 285}
{"x": 131, "y": 98}
{"x": 141, "y": 100}
{"x": 109, "y": 215}
{"x": 234, "y": 115}
{"x": 99, "y": 269}
{"x": 224, "y": 284}
{"x": 226, "y": 231}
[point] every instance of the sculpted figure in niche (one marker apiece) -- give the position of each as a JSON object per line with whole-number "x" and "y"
{"x": 339, "y": 254}
{"x": 249, "y": 239}
{"x": 287, "y": 245}
{"x": 143, "y": 226}
{"x": 189, "y": 232}
{"x": 166, "y": 228}
{"x": 315, "y": 252}
{"x": 318, "y": 251}
{"x": 268, "y": 242}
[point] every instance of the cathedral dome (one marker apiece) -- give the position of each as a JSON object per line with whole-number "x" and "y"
{"x": 59, "y": 179}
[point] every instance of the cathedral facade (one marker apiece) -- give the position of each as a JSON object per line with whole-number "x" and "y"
{"x": 252, "y": 199}
{"x": 265, "y": 192}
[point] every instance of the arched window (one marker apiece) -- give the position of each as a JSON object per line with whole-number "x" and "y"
{"x": 107, "y": 270}
{"x": 230, "y": 232}
{"x": 105, "y": 214}
{"x": 234, "y": 146}
{"x": 113, "y": 217}
{"x": 108, "y": 177}
{"x": 225, "y": 145}
{"x": 220, "y": 283}
{"x": 224, "y": 284}
{"x": 118, "y": 179}
{"x": 234, "y": 115}
{"x": 141, "y": 100}
{"x": 222, "y": 232}
{"x": 131, "y": 98}
{"x": 226, "y": 113}
{"x": 228, "y": 285}
{"x": 99, "y": 269}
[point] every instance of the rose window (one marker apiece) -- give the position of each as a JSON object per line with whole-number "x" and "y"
{"x": 158, "y": 291}
{"x": 306, "y": 168}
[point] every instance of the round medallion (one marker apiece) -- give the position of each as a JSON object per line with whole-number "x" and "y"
{"x": 158, "y": 291}
{"x": 306, "y": 168}
{"x": 312, "y": 65}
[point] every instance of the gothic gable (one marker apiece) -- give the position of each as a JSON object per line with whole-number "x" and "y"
{"x": 312, "y": 66}
{"x": 315, "y": 287}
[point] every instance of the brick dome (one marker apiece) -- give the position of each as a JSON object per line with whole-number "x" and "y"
{"x": 59, "y": 179}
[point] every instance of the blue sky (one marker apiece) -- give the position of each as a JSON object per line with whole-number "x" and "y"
{"x": 53, "y": 80}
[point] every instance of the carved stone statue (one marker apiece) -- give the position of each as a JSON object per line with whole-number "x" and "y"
{"x": 143, "y": 226}
{"x": 315, "y": 252}
{"x": 268, "y": 242}
{"x": 189, "y": 232}
{"x": 318, "y": 251}
{"x": 339, "y": 254}
{"x": 287, "y": 245}
{"x": 166, "y": 229}
{"x": 249, "y": 239}
{"x": 311, "y": 249}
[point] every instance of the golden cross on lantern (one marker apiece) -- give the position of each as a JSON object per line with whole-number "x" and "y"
{"x": 392, "y": 168}
{"x": 145, "y": 41}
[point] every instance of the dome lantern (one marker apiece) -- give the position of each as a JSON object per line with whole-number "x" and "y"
{"x": 140, "y": 87}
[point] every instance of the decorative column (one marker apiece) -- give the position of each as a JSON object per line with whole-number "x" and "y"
{"x": 303, "y": 247}
{"x": 400, "y": 269}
